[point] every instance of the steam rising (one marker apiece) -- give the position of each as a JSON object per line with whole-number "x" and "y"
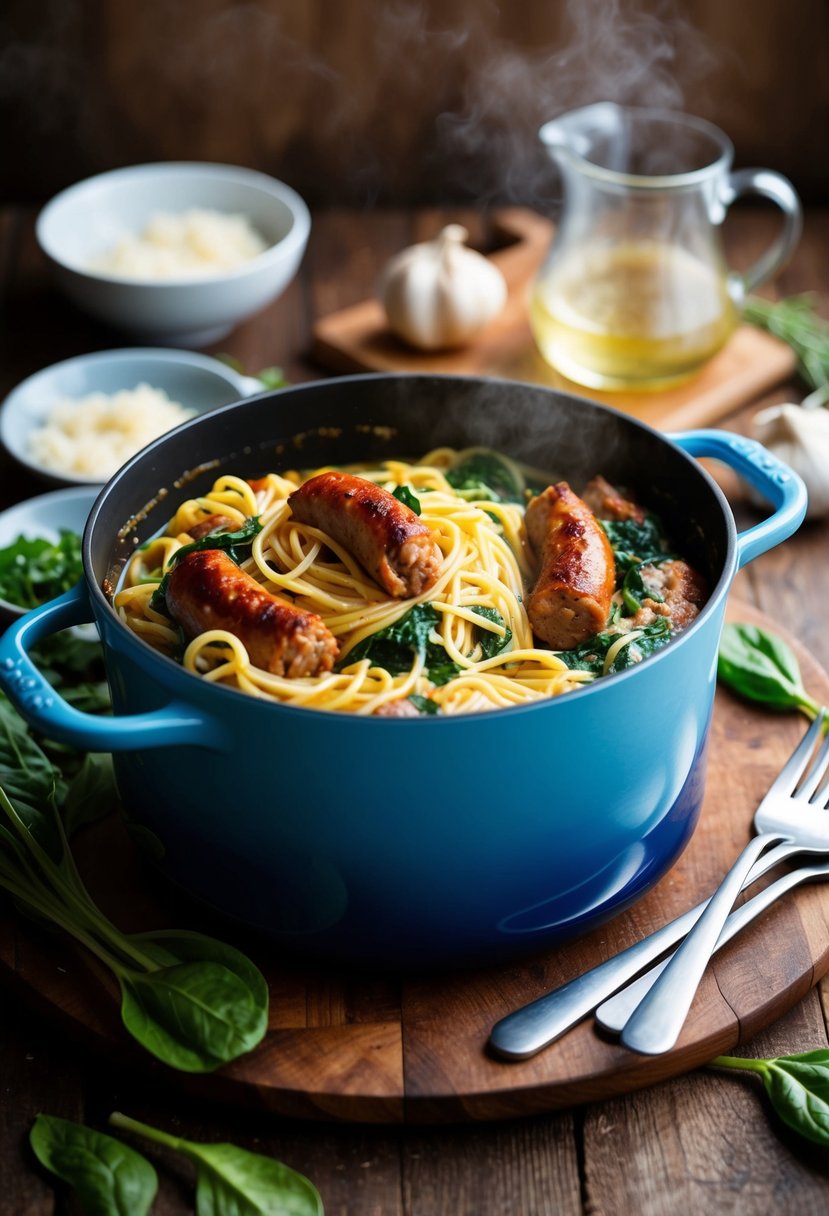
{"x": 402, "y": 100}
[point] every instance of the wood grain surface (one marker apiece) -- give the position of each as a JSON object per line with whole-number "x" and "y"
{"x": 374, "y": 1048}
{"x": 358, "y": 339}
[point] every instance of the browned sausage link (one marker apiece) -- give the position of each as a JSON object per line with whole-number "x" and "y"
{"x": 606, "y": 502}
{"x": 207, "y": 590}
{"x": 211, "y": 524}
{"x": 385, "y": 535}
{"x": 571, "y": 598}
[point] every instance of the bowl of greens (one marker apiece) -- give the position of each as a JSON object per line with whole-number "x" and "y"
{"x": 40, "y": 548}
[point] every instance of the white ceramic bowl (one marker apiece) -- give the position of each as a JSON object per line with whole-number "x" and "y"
{"x": 193, "y": 380}
{"x": 86, "y": 220}
{"x": 43, "y": 518}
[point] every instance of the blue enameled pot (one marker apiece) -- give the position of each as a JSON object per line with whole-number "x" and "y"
{"x": 410, "y": 841}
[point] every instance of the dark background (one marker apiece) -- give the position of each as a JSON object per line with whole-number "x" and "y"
{"x": 395, "y": 101}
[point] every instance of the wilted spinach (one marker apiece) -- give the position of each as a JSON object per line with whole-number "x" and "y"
{"x": 488, "y": 475}
{"x": 643, "y": 538}
{"x": 235, "y": 543}
{"x": 394, "y": 647}
{"x": 592, "y": 654}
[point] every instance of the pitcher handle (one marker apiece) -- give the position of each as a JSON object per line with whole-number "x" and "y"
{"x": 779, "y": 190}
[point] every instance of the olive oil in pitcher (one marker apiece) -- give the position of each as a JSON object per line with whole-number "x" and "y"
{"x": 640, "y": 313}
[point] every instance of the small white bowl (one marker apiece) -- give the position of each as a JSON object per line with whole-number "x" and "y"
{"x": 195, "y": 381}
{"x": 89, "y": 218}
{"x": 43, "y": 518}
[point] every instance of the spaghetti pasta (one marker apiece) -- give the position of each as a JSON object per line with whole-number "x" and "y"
{"x": 462, "y": 646}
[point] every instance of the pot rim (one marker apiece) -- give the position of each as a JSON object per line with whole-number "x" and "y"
{"x": 173, "y": 675}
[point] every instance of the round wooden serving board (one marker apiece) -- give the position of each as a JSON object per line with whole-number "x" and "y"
{"x": 379, "y": 1049}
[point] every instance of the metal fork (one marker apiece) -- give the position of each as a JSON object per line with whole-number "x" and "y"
{"x": 614, "y": 1013}
{"x": 534, "y": 1026}
{"x": 786, "y": 817}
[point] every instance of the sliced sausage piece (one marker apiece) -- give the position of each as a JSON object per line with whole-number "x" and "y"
{"x": 571, "y": 598}
{"x": 401, "y": 708}
{"x": 683, "y": 592}
{"x": 211, "y": 524}
{"x": 384, "y": 535}
{"x": 606, "y": 502}
{"x": 207, "y": 590}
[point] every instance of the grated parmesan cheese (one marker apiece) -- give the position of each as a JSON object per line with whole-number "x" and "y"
{"x": 174, "y": 245}
{"x": 93, "y": 436}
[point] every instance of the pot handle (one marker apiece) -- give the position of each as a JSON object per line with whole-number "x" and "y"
{"x": 768, "y": 475}
{"x": 44, "y": 709}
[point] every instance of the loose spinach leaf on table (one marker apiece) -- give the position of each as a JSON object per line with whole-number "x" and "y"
{"x": 235, "y": 543}
{"x": 798, "y": 1087}
{"x": 758, "y": 665}
{"x": 34, "y": 571}
{"x": 108, "y": 1177}
{"x": 231, "y": 1181}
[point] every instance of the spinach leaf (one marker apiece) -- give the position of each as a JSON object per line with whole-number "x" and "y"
{"x": 34, "y": 571}
{"x": 91, "y": 794}
{"x": 760, "y": 666}
{"x": 482, "y": 473}
{"x": 591, "y": 655}
{"x": 29, "y": 779}
{"x": 490, "y": 643}
{"x": 234, "y": 543}
{"x": 630, "y": 536}
{"x": 231, "y": 1181}
{"x": 109, "y": 1178}
{"x": 271, "y": 377}
{"x": 394, "y": 647}
{"x": 191, "y": 1001}
{"x": 205, "y": 1004}
{"x": 410, "y": 500}
{"x": 798, "y": 1087}
{"x": 423, "y": 705}
{"x": 635, "y": 589}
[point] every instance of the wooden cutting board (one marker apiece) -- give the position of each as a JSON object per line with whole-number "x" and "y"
{"x": 357, "y": 339}
{"x": 376, "y": 1048}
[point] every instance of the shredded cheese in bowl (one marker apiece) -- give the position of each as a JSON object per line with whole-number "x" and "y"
{"x": 93, "y": 436}
{"x": 174, "y": 245}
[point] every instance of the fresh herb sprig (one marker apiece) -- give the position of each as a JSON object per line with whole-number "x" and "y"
{"x": 796, "y": 322}
{"x": 192, "y": 1002}
{"x": 760, "y": 666}
{"x": 797, "y": 1086}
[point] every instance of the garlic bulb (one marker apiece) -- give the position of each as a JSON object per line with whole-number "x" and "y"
{"x": 800, "y": 437}
{"x": 440, "y": 294}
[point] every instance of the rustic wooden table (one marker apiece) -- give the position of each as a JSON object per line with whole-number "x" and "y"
{"x": 704, "y": 1142}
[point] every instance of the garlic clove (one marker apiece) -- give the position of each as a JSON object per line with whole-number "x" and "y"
{"x": 440, "y": 294}
{"x": 800, "y": 438}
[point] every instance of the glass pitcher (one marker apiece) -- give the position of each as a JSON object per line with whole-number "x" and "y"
{"x": 635, "y": 291}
